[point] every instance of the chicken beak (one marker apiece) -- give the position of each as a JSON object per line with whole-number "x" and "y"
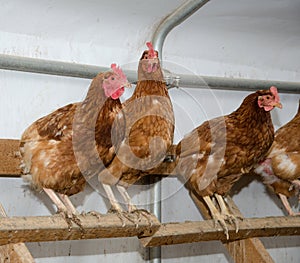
{"x": 278, "y": 105}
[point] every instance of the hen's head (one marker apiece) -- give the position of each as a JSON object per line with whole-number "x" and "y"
{"x": 114, "y": 82}
{"x": 268, "y": 99}
{"x": 149, "y": 60}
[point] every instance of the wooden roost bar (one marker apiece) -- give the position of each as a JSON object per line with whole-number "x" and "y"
{"x": 243, "y": 246}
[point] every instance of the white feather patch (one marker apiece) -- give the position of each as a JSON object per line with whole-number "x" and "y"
{"x": 286, "y": 164}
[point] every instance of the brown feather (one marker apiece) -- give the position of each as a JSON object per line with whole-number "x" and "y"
{"x": 217, "y": 153}
{"x": 149, "y": 119}
{"x": 282, "y": 164}
{"x": 56, "y": 148}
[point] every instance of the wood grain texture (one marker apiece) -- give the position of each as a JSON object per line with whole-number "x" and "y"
{"x": 188, "y": 232}
{"x": 9, "y": 159}
{"x": 247, "y": 250}
{"x": 17, "y": 253}
{"x": 244, "y": 250}
{"x": 53, "y": 228}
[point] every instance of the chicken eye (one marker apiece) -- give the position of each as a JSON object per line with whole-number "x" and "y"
{"x": 112, "y": 78}
{"x": 268, "y": 97}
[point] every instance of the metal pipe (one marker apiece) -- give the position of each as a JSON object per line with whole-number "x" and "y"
{"x": 168, "y": 23}
{"x": 155, "y": 252}
{"x": 68, "y": 69}
{"x": 50, "y": 67}
{"x": 172, "y": 20}
{"x": 194, "y": 81}
{"x": 58, "y": 68}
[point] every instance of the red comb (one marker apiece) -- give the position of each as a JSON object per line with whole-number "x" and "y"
{"x": 118, "y": 71}
{"x": 151, "y": 52}
{"x": 274, "y": 91}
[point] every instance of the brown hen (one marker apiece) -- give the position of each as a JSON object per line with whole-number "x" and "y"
{"x": 215, "y": 155}
{"x": 57, "y": 149}
{"x": 149, "y": 131}
{"x": 281, "y": 168}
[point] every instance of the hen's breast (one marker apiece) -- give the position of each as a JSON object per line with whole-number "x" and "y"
{"x": 217, "y": 153}
{"x": 51, "y": 164}
{"x": 149, "y": 123}
{"x": 48, "y": 158}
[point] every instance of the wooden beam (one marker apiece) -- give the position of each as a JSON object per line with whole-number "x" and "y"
{"x": 246, "y": 250}
{"x": 9, "y": 160}
{"x": 53, "y": 228}
{"x": 17, "y": 253}
{"x": 188, "y": 232}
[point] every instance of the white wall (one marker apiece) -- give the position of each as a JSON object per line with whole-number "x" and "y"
{"x": 248, "y": 39}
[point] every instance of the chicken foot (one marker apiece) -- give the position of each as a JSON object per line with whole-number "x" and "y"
{"x": 287, "y": 205}
{"x": 132, "y": 208}
{"x": 115, "y": 206}
{"x": 68, "y": 204}
{"x": 226, "y": 212}
{"x": 216, "y": 215}
{"x": 64, "y": 207}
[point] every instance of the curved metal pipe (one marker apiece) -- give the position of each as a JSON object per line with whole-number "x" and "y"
{"x": 168, "y": 23}
{"x": 172, "y": 20}
{"x": 50, "y": 67}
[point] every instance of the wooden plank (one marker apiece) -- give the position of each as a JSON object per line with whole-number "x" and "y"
{"x": 53, "y": 228}
{"x": 9, "y": 160}
{"x": 246, "y": 250}
{"x": 188, "y": 232}
{"x": 17, "y": 253}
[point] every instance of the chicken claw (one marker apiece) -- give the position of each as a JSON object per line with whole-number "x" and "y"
{"x": 145, "y": 213}
{"x": 93, "y": 213}
{"x": 227, "y": 213}
{"x": 221, "y": 217}
{"x": 70, "y": 217}
{"x": 122, "y": 215}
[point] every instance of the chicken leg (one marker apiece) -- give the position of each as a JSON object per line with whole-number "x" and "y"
{"x": 115, "y": 206}
{"x": 70, "y": 207}
{"x": 224, "y": 215}
{"x": 225, "y": 211}
{"x": 287, "y": 205}
{"x": 64, "y": 207}
{"x": 131, "y": 207}
{"x": 216, "y": 215}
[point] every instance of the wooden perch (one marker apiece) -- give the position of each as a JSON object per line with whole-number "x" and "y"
{"x": 9, "y": 159}
{"x": 244, "y": 250}
{"x": 188, "y": 232}
{"x": 17, "y": 253}
{"x": 53, "y": 228}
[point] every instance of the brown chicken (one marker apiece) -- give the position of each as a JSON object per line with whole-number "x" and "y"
{"x": 216, "y": 154}
{"x": 148, "y": 133}
{"x": 281, "y": 168}
{"x": 57, "y": 150}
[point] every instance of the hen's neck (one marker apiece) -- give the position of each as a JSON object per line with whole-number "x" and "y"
{"x": 97, "y": 113}
{"x": 150, "y": 87}
{"x": 93, "y": 102}
{"x": 154, "y": 76}
{"x": 150, "y": 84}
{"x": 250, "y": 114}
